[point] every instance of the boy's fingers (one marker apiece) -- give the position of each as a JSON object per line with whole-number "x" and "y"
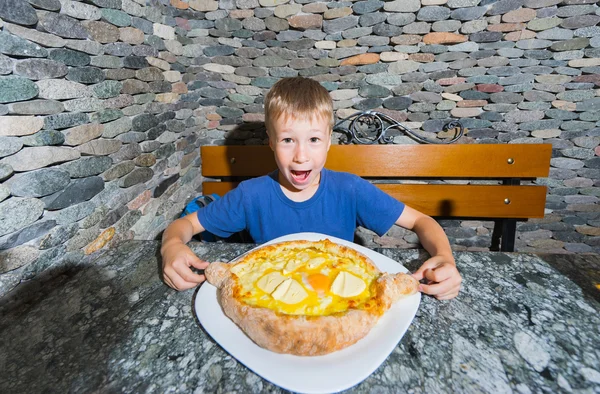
{"x": 191, "y": 277}
{"x": 199, "y": 264}
{"x": 435, "y": 288}
{"x": 420, "y": 273}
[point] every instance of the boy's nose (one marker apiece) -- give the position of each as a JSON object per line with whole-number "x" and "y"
{"x": 301, "y": 155}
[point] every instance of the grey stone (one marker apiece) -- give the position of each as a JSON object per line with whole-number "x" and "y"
{"x": 107, "y": 89}
{"x": 72, "y": 214}
{"x": 138, "y": 175}
{"x": 87, "y": 166}
{"x": 374, "y": 91}
{"x": 38, "y": 183}
{"x": 135, "y": 62}
{"x": 446, "y": 26}
{"x": 374, "y": 18}
{"x": 49, "y": 5}
{"x": 63, "y": 26}
{"x": 106, "y": 61}
{"x": 37, "y": 107}
{"x": 367, "y": 7}
{"x": 118, "y": 170}
{"x": 127, "y": 152}
{"x": 34, "y": 231}
{"x": 116, "y": 4}
{"x": 17, "y": 213}
{"x": 541, "y": 3}
{"x": 79, "y": 190}
{"x": 6, "y": 65}
{"x": 571, "y": 45}
{"x": 9, "y": 146}
{"x": 541, "y": 124}
{"x": 555, "y": 33}
{"x": 533, "y": 44}
{"x": 145, "y": 50}
{"x": 402, "y": 6}
{"x": 118, "y": 49}
{"x": 486, "y": 36}
{"x": 65, "y": 120}
{"x": 576, "y": 22}
{"x": 17, "y": 46}
{"x": 16, "y": 89}
{"x": 523, "y": 116}
{"x": 339, "y": 24}
{"x": 503, "y": 97}
{"x": 504, "y": 6}
{"x": 468, "y": 14}
{"x": 546, "y": 12}
{"x": 32, "y": 158}
{"x": 116, "y": 17}
{"x": 590, "y": 32}
{"x": 17, "y": 258}
{"x": 589, "y": 105}
{"x": 401, "y": 19}
{"x": 5, "y": 171}
{"x": 69, "y": 57}
{"x": 18, "y": 11}
{"x": 44, "y": 138}
{"x": 40, "y": 69}
{"x": 144, "y": 122}
{"x": 277, "y": 24}
{"x": 144, "y": 25}
{"x": 433, "y": 13}
{"x": 87, "y": 75}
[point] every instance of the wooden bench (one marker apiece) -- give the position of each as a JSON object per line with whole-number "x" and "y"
{"x": 404, "y": 170}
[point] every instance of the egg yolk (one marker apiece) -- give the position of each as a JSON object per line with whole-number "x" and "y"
{"x": 319, "y": 282}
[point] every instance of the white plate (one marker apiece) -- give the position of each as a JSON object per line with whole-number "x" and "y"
{"x": 319, "y": 374}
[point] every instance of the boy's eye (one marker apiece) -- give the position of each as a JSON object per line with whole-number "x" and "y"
{"x": 286, "y": 140}
{"x": 314, "y": 139}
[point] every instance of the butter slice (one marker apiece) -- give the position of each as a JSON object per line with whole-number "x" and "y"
{"x": 239, "y": 268}
{"x": 292, "y": 266}
{"x": 290, "y": 292}
{"x": 269, "y": 282}
{"x": 347, "y": 285}
{"x": 315, "y": 262}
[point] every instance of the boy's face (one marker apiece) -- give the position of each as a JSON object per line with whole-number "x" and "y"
{"x": 300, "y": 148}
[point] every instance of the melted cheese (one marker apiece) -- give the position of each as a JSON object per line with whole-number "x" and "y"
{"x": 305, "y": 281}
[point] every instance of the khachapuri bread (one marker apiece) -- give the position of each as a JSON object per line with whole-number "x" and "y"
{"x": 306, "y": 298}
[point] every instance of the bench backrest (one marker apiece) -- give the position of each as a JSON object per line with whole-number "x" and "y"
{"x": 392, "y": 166}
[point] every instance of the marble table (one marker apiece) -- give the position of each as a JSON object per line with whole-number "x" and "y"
{"x": 106, "y": 323}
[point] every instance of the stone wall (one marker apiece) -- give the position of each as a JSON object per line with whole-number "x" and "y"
{"x": 104, "y": 103}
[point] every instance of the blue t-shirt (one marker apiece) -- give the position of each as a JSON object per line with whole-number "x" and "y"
{"x": 342, "y": 202}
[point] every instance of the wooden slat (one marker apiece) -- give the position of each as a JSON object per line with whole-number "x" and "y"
{"x": 409, "y": 161}
{"x": 477, "y": 201}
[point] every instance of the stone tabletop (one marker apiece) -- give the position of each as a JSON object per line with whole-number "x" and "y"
{"x": 106, "y": 323}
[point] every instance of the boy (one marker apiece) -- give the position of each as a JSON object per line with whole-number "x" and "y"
{"x": 303, "y": 196}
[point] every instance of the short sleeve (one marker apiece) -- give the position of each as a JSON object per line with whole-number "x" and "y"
{"x": 225, "y": 216}
{"x": 375, "y": 209}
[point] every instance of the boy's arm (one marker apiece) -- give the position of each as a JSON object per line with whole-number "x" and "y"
{"x": 177, "y": 257}
{"x": 440, "y": 270}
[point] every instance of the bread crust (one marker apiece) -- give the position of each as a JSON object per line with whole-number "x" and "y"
{"x": 307, "y": 335}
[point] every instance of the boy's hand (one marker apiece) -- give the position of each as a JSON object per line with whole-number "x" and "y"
{"x": 177, "y": 260}
{"x": 443, "y": 279}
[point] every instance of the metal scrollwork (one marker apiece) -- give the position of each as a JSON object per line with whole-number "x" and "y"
{"x": 370, "y": 127}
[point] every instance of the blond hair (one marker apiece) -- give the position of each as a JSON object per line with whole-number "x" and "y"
{"x": 300, "y": 98}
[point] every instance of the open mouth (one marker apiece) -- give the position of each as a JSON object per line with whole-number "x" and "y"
{"x": 300, "y": 176}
